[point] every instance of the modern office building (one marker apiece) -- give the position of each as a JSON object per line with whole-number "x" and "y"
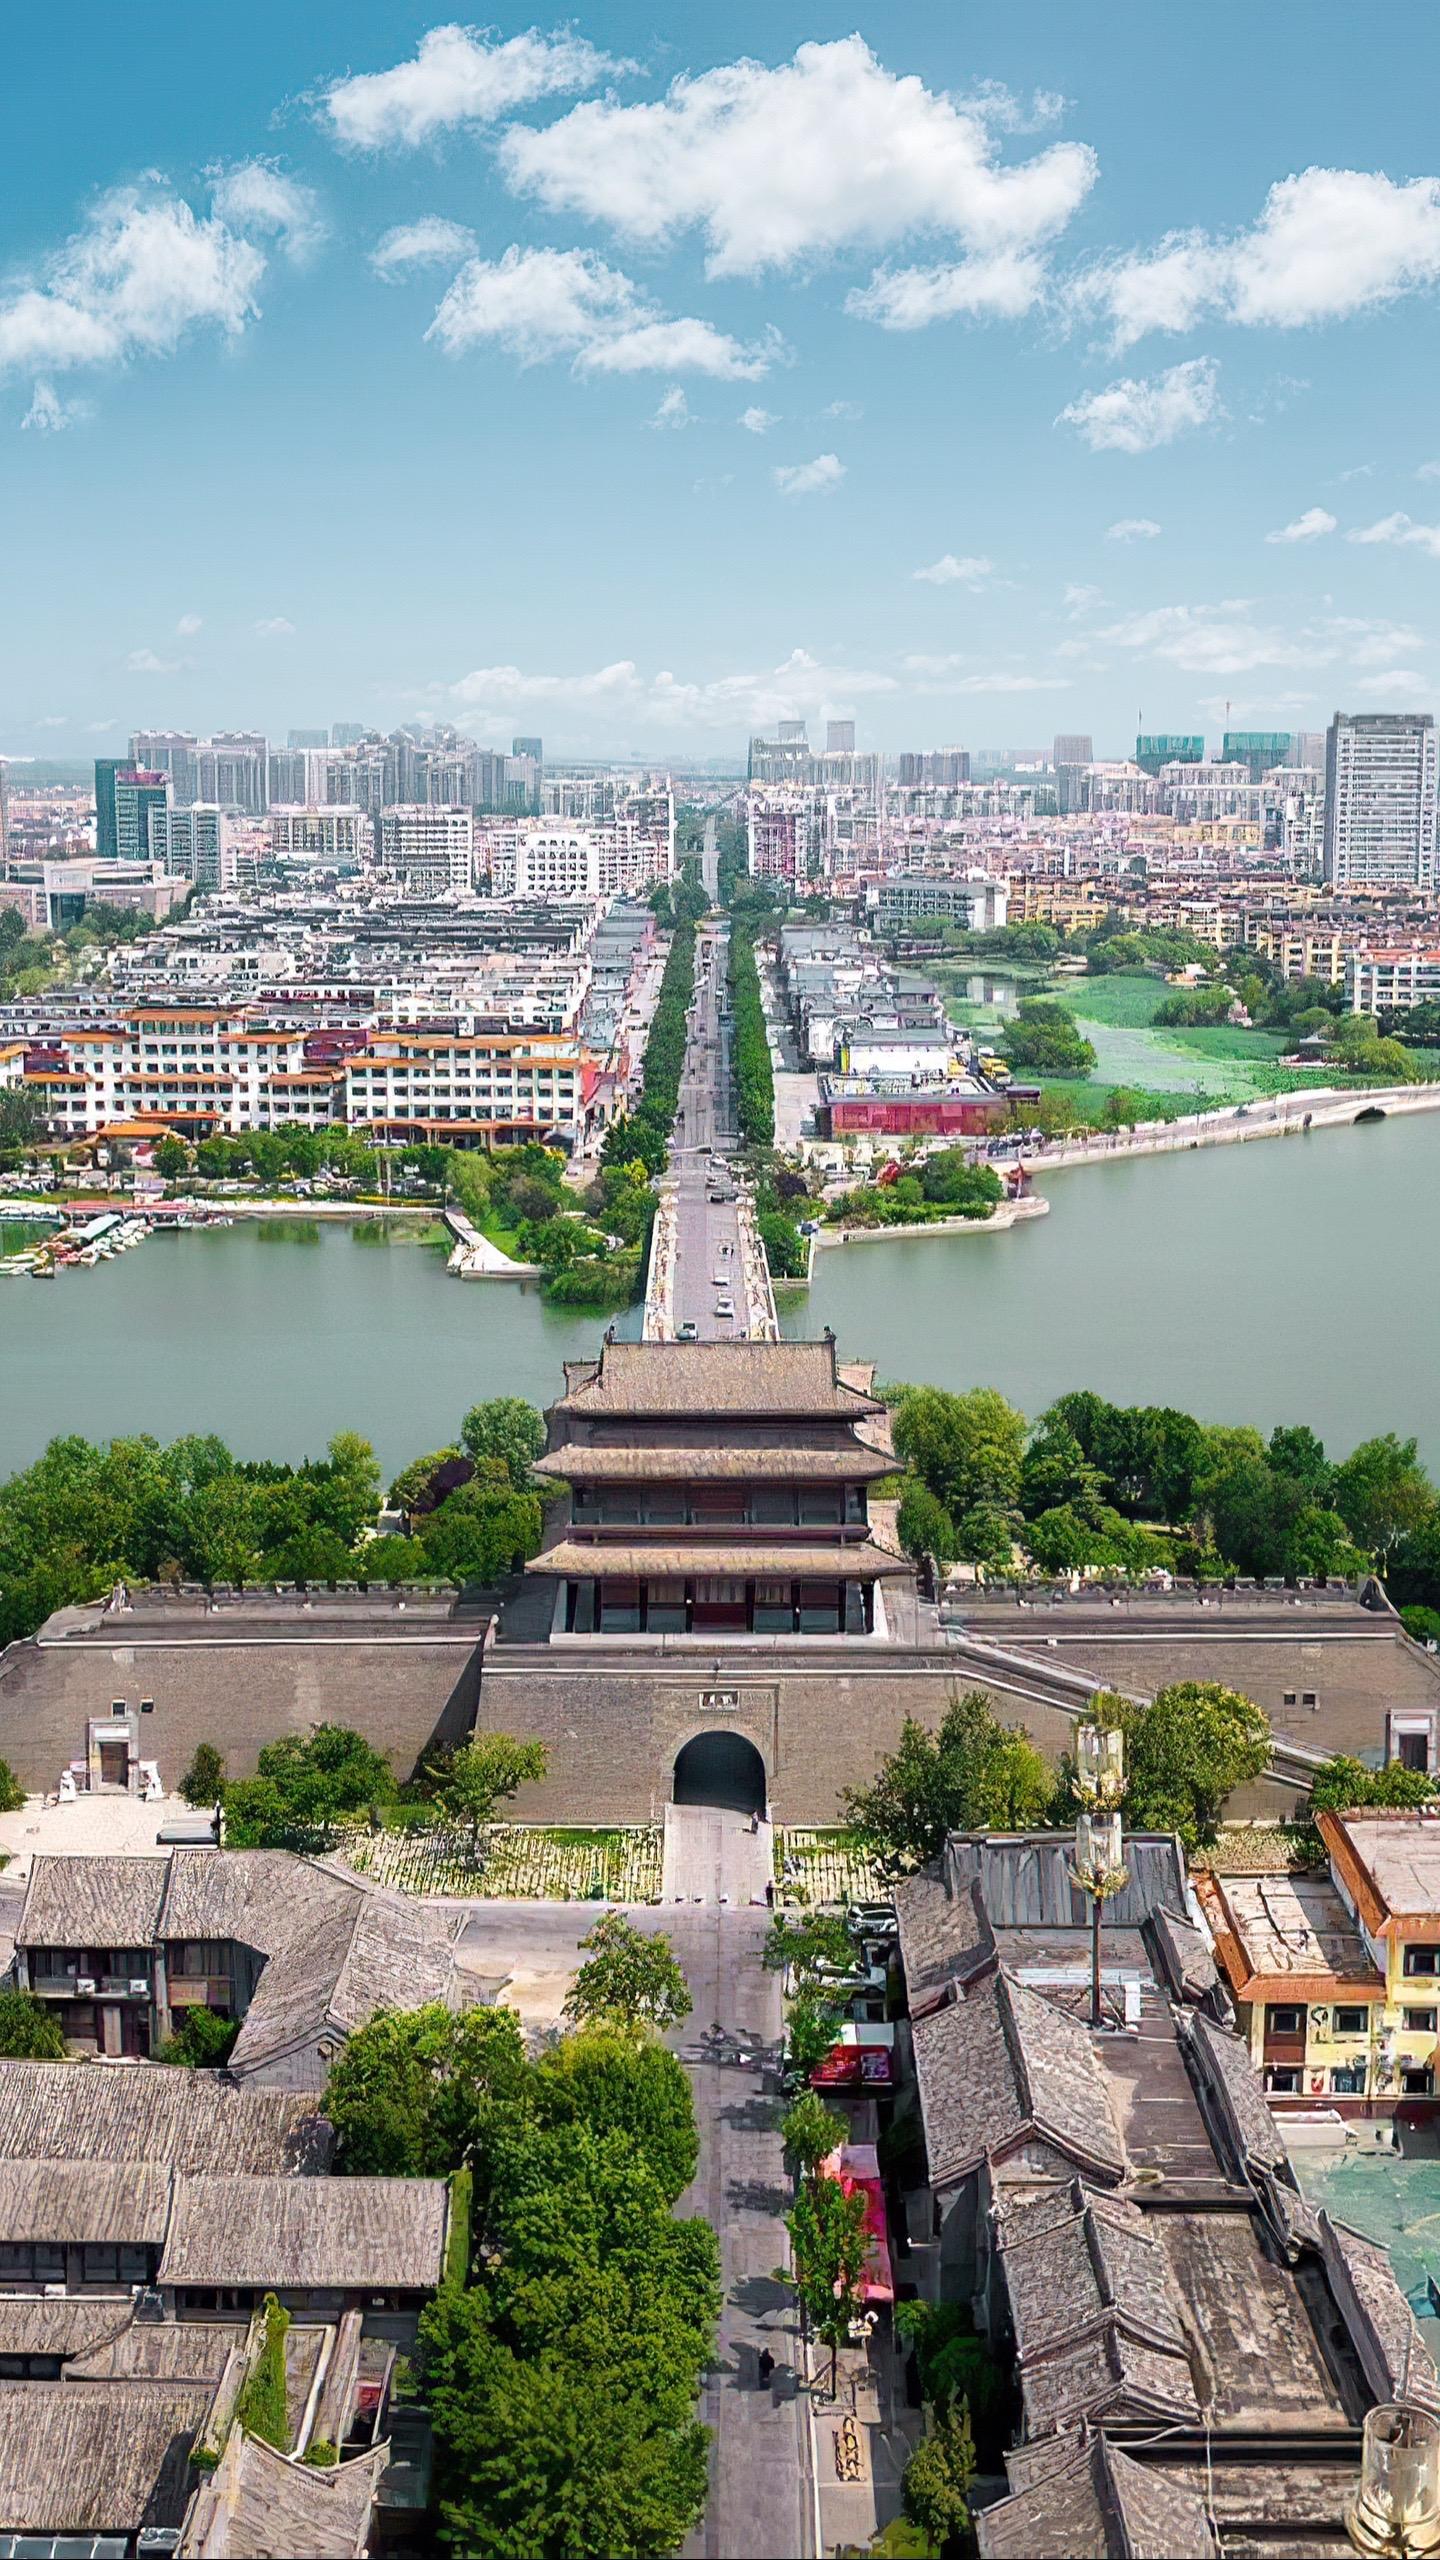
{"x": 106, "y": 768}
{"x": 839, "y": 737}
{"x": 534, "y": 748}
{"x": 347, "y": 733}
{"x": 1072, "y": 754}
{"x": 308, "y": 738}
{"x": 234, "y": 769}
{"x": 1380, "y": 789}
{"x": 137, "y": 793}
{"x": 172, "y": 751}
{"x": 1154, "y": 749}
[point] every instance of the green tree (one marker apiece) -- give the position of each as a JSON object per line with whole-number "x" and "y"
{"x": 973, "y": 1774}
{"x": 985, "y": 1535}
{"x": 925, "y": 1525}
{"x": 12, "y": 1794}
{"x": 1045, "y": 1040}
{"x": 936, "y": 2486}
{"x": 416, "y": 2092}
{"x": 305, "y": 1788}
{"x": 630, "y": 1980}
{"x": 1124, "y": 1106}
{"x": 811, "y": 2132}
{"x": 263, "y": 2408}
{"x": 809, "y": 1945}
{"x": 484, "y": 1772}
{"x": 812, "y": 2027}
{"x": 967, "y": 1448}
{"x": 1382, "y": 1493}
{"x": 203, "y": 2041}
{"x": 1344, "y": 1785}
{"x": 481, "y": 1532}
{"x": 204, "y": 1781}
{"x": 508, "y": 1428}
{"x": 615, "y": 2085}
{"x": 172, "y": 1157}
{"x": 1185, "y": 1752}
{"x": 29, "y": 2031}
{"x": 829, "y": 2242}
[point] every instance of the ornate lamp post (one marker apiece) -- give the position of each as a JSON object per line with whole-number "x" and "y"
{"x": 1395, "y": 2509}
{"x": 1099, "y": 1868}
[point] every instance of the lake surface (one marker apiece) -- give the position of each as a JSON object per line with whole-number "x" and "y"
{"x": 1291, "y": 1280}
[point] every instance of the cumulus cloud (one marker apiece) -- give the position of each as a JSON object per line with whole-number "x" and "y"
{"x": 756, "y": 421}
{"x": 843, "y": 409}
{"x": 1078, "y": 600}
{"x": 1307, "y": 528}
{"x": 1135, "y": 415}
{"x": 822, "y": 156}
{"x": 1133, "y": 529}
{"x": 1328, "y": 243}
{"x": 431, "y": 242}
{"x": 948, "y": 571}
{"x": 458, "y": 76}
{"x": 803, "y": 686}
{"x": 1398, "y": 681}
{"x": 1225, "y": 639}
{"x": 144, "y": 271}
{"x": 144, "y": 662}
{"x": 673, "y": 411}
{"x": 808, "y": 479}
{"x": 49, "y": 415}
{"x": 1403, "y": 532}
{"x": 256, "y": 199}
{"x": 1426, "y": 471}
{"x": 187, "y": 626}
{"x": 543, "y": 303}
{"x": 940, "y": 674}
{"x": 274, "y": 626}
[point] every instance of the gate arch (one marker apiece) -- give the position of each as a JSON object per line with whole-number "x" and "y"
{"x": 720, "y": 1768}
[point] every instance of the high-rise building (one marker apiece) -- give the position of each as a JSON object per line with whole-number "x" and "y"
{"x": 1380, "y": 793}
{"x": 308, "y": 738}
{"x": 1151, "y": 751}
{"x": 172, "y": 751}
{"x": 784, "y": 758}
{"x": 200, "y": 843}
{"x": 137, "y": 793}
{"x": 234, "y": 770}
{"x": 534, "y": 748}
{"x": 1307, "y": 746}
{"x": 1075, "y": 749}
{"x": 106, "y": 768}
{"x": 4, "y": 816}
{"x": 432, "y": 849}
{"x": 1071, "y": 756}
{"x": 347, "y": 733}
{"x": 1259, "y": 750}
{"x": 839, "y": 737}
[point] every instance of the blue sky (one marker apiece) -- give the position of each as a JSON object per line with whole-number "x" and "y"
{"x": 357, "y": 366}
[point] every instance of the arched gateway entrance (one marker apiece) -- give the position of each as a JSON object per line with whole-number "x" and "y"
{"x": 720, "y": 1769}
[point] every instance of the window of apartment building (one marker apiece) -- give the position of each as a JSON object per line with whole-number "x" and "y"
{"x": 1284, "y": 2080}
{"x": 1347, "y": 2080}
{"x": 1420, "y": 2022}
{"x": 1352, "y": 2022}
{"x": 1418, "y": 2083}
{"x": 1283, "y": 2019}
{"x": 1421, "y": 1960}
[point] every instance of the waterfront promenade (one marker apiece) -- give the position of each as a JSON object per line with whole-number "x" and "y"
{"x": 1285, "y": 1115}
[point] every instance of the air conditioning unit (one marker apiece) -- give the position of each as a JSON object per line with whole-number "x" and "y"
{"x": 54, "y": 2292}
{"x": 139, "y": 1987}
{"x": 85, "y": 1986}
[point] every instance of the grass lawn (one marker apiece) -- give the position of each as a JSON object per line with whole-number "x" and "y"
{"x": 1129, "y": 1000}
{"x": 507, "y": 1238}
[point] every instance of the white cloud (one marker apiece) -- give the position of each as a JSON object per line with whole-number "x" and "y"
{"x": 1225, "y": 640}
{"x": 257, "y": 200}
{"x": 673, "y": 411}
{"x": 1134, "y": 416}
{"x": 1403, "y": 531}
{"x": 274, "y": 626}
{"x": 756, "y": 421}
{"x": 97, "y": 728}
{"x": 143, "y": 662}
{"x": 458, "y": 77}
{"x": 431, "y": 242}
{"x": 843, "y": 409}
{"x": 1133, "y": 529}
{"x": 808, "y": 479}
{"x": 144, "y": 271}
{"x": 1306, "y": 528}
{"x": 1002, "y": 287}
{"x": 1078, "y": 600}
{"x": 950, "y": 572}
{"x": 187, "y": 626}
{"x": 940, "y": 675}
{"x": 49, "y": 415}
{"x": 1328, "y": 243}
{"x": 1398, "y": 681}
{"x": 1428, "y": 471}
{"x": 825, "y": 154}
{"x": 543, "y": 303}
{"x": 802, "y": 686}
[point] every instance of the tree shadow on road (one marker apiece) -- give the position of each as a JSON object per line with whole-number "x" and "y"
{"x": 758, "y": 2195}
{"x": 760, "y": 2296}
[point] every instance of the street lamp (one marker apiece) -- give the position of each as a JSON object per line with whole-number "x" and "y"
{"x": 1099, "y": 1869}
{"x": 1395, "y": 2510}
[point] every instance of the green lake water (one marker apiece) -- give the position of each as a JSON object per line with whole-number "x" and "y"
{"x": 1288, "y": 1280}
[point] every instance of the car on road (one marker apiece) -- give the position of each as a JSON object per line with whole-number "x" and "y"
{"x": 725, "y": 1307}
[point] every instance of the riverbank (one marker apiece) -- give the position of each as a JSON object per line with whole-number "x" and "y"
{"x": 1005, "y": 1214}
{"x": 1285, "y": 1115}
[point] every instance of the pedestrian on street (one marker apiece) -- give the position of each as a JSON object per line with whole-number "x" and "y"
{"x": 767, "y": 2367}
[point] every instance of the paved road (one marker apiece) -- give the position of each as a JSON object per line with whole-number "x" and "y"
{"x": 710, "y": 859}
{"x": 707, "y": 1231}
{"x": 760, "y": 2460}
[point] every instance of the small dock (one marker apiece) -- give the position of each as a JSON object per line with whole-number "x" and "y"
{"x": 474, "y": 1257}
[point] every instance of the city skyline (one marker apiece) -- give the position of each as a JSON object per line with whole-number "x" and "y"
{"x": 390, "y": 372}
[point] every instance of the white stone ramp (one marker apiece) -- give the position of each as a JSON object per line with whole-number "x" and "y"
{"x": 712, "y": 1855}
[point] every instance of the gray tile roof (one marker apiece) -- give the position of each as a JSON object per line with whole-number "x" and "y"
{"x": 1004, "y": 2063}
{"x": 256, "y": 2504}
{"x": 35, "y": 2324}
{"x": 1097, "y": 2503}
{"x": 1245, "y": 2132}
{"x": 69, "y": 2201}
{"x": 860, "y": 1560}
{"x": 80, "y": 2457}
{"x": 147, "y": 2110}
{"x": 1397, "y": 2363}
{"x": 1096, "y": 2321}
{"x": 945, "y": 1932}
{"x": 359, "y": 2234}
{"x": 91, "y": 1902}
{"x": 686, "y": 1379}
{"x": 604, "y": 1462}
